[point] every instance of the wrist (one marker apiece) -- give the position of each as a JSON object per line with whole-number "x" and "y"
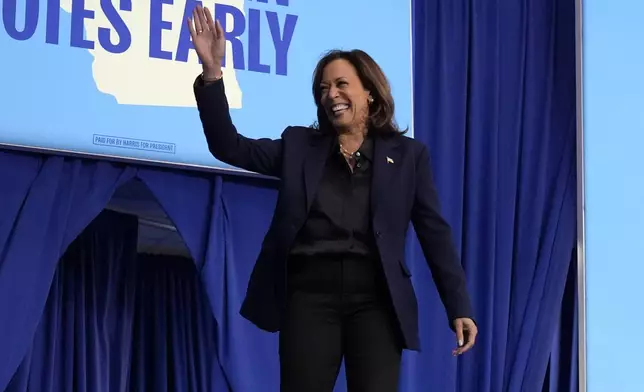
{"x": 211, "y": 76}
{"x": 212, "y": 72}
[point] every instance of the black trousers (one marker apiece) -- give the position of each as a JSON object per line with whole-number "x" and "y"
{"x": 337, "y": 309}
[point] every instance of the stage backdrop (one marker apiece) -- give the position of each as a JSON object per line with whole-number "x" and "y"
{"x": 614, "y": 199}
{"x": 114, "y": 78}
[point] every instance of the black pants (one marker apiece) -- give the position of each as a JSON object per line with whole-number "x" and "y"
{"x": 339, "y": 308}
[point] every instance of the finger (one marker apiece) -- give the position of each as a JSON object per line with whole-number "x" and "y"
{"x": 459, "y": 332}
{"x": 220, "y": 30}
{"x": 211, "y": 24}
{"x": 459, "y": 338}
{"x": 191, "y": 28}
{"x": 195, "y": 17}
{"x": 202, "y": 18}
{"x": 471, "y": 332}
{"x": 471, "y": 339}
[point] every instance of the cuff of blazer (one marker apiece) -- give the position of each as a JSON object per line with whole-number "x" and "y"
{"x": 200, "y": 84}
{"x": 463, "y": 310}
{"x": 209, "y": 94}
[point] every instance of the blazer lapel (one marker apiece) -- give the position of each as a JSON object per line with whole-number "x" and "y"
{"x": 314, "y": 162}
{"x": 385, "y": 167}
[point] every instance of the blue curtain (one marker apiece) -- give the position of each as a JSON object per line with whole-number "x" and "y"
{"x": 223, "y": 222}
{"x": 495, "y": 103}
{"x": 563, "y": 370}
{"x": 46, "y": 202}
{"x": 174, "y": 331}
{"x": 83, "y": 341}
{"x": 118, "y": 321}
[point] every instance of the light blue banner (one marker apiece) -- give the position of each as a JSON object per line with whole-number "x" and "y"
{"x": 114, "y": 77}
{"x": 614, "y": 202}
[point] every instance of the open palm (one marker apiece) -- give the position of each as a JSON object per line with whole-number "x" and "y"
{"x": 207, "y": 38}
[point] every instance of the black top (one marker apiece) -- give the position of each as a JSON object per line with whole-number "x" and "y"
{"x": 339, "y": 220}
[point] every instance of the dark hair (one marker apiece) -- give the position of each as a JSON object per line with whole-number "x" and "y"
{"x": 381, "y": 111}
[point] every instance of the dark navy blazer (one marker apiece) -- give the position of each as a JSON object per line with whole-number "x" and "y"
{"x": 402, "y": 191}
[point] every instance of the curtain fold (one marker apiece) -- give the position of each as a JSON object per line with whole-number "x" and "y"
{"x": 199, "y": 217}
{"x": 83, "y": 340}
{"x": 495, "y": 103}
{"x": 116, "y": 320}
{"x": 563, "y": 370}
{"x": 174, "y": 331}
{"x": 46, "y": 202}
{"x": 223, "y": 223}
{"x": 190, "y": 201}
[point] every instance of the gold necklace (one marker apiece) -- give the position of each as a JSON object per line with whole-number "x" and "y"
{"x": 345, "y": 152}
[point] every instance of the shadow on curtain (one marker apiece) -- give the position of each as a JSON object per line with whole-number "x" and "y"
{"x": 563, "y": 370}
{"x": 118, "y": 321}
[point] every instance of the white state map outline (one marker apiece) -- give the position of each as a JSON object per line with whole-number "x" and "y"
{"x": 132, "y": 77}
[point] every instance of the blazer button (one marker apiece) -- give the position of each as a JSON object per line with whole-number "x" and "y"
{"x": 378, "y": 234}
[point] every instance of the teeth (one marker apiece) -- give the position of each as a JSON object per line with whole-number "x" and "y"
{"x": 338, "y": 107}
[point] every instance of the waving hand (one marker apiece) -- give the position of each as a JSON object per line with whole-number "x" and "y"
{"x": 208, "y": 40}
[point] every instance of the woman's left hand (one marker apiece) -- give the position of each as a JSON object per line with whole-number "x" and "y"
{"x": 466, "y": 332}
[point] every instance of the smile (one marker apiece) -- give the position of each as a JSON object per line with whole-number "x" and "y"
{"x": 340, "y": 108}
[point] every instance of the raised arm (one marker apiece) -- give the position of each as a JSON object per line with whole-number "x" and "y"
{"x": 263, "y": 156}
{"x": 435, "y": 237}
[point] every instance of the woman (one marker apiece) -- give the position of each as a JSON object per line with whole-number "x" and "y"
{"x": 331, "y": 275}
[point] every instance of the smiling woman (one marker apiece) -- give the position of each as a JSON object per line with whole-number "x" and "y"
{"x": 353, "y": 79}
{"x": 331, "y": 275}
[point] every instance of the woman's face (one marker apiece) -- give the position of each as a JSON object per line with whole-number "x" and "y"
{"x": 343, "y": 96}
